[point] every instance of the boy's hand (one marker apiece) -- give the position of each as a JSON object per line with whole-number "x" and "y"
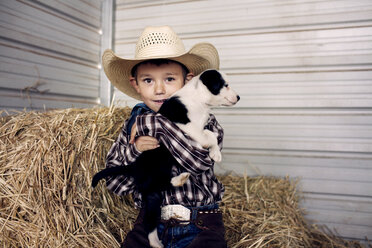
{"x": 143, "y": 143}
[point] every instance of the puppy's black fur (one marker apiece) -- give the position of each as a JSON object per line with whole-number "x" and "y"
{"x": 152, "y": 175}
{"x": 152, "y": 169}
{"x": 213, "y": 80}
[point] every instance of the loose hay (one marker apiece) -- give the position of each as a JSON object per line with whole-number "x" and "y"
{"x": 46, "y": 164}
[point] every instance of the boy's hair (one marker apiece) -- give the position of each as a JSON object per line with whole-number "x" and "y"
{"x": 159, "y": 62}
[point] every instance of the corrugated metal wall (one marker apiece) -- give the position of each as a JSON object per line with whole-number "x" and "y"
{"x": 304, "y": 72}
{"x": 50, "y": 53}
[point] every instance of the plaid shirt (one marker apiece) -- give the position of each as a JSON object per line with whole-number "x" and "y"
{"x": 202, "y": 188}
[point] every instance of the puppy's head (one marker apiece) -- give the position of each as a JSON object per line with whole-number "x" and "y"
{"x": 220, "y": 92}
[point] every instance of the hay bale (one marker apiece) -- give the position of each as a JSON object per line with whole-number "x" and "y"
{"x": 46, "y": 164}
{"x": 265, "y": 212}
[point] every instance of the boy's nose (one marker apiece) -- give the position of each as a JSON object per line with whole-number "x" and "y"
{"x": 159, "y": 88}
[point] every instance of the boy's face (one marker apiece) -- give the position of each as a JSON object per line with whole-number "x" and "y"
{"x": 156, "y": 83}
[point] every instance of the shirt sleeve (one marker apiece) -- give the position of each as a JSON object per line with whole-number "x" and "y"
{"x": 216, "y": 128}
{"x": 121, "y": 153}
{"x": 190, "y": 154}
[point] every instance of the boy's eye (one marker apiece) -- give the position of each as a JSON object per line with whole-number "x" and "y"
{"x": 226, "y": 85}
{"x": 147, "y": 80}
{"x": 169, "y": 79}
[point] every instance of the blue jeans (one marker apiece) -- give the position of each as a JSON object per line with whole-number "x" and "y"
{"x": 180, "y": 236}
{"x": 204, "y": 230}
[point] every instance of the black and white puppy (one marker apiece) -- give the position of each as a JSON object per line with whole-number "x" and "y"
{"x": 189, "y": 109}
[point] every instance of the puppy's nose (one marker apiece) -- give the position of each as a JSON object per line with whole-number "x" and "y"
{"x": 238, "y": 97}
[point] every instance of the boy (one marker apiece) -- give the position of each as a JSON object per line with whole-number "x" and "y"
{"x": 161, "y": 67}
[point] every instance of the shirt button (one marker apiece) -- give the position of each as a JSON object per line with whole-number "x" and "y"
{"x": 200, "y": 222}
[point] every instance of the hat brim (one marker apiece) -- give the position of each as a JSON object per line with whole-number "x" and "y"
{"x": 200, "y": 57}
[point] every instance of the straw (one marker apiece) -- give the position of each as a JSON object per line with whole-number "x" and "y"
{"x": 47, "y": 161}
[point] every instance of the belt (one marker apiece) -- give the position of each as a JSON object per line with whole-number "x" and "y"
{"x": 184, "y": 215}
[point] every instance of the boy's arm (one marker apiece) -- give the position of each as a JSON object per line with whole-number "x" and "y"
{"x": 122, "y": 152}
{"x": 191, "y": 155}
{"x": 142, "y": 143}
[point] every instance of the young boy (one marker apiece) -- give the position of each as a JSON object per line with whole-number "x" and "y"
{"x": 162, "y": 66}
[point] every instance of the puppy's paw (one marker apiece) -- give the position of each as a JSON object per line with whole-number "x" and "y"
{"x": 215, "y": 154}
{"x": 180, "y": 179}
{"x": 154, "y": 240}
{"x": 209, "y": 139}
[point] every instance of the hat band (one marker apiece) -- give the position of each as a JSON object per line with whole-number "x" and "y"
{"x": 160, "y": 51}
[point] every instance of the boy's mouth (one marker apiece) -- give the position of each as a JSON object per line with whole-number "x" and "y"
{"x": 160, "y": 101}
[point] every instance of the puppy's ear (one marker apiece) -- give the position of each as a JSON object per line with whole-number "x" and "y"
{"x": 213, "y": 80}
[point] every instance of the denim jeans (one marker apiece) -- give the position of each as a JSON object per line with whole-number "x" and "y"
{"x": 181, "y": 235}
{"x": 205, "y": 230}
{"x": 178, "y": 236}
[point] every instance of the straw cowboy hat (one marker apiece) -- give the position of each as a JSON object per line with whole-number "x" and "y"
{"x": 158, "y": 43}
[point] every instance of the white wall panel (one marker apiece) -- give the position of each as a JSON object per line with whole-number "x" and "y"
{"x": 303, "y": 70}
{"x": 50, "y": 53}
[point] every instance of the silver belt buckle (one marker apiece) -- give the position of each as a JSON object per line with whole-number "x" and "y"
{"x": 177, "y": 212}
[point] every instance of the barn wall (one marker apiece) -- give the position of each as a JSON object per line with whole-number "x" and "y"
{"x": 303, "y": 70}
{"x": 50, "y": 53}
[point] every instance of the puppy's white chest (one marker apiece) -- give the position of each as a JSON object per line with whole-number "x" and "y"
{"x": 198, "y": 119}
